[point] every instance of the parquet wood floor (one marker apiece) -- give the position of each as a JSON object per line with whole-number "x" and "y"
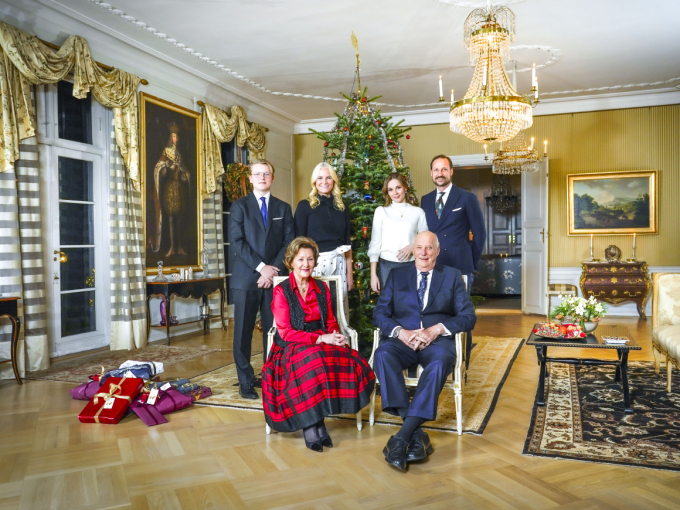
{"x": 221, "y": 458}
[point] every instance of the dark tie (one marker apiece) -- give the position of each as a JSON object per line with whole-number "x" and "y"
{"x": 263, "y": 210}
{"x": 439, "y": 205}
{"x": 421, "y": 288}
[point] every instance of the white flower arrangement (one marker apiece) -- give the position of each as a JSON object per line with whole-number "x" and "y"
{"x": 578, "y": 310}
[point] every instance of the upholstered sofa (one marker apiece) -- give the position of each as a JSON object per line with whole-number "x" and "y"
{"x": 666, "y": 321}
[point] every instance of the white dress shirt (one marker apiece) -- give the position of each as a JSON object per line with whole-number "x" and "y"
{"x": 266, "y": 196}
{"x": 445, "y": 196}
{"x": 426, "y": 296}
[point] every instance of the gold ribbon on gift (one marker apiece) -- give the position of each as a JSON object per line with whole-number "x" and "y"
{"x": 112, "y": 393}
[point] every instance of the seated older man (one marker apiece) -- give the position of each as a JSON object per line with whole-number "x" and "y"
{"x": 419, "y": 311}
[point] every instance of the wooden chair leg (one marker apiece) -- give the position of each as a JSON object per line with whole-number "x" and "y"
{"x": 458, "y": 397}
{"x": 657, "y": 358}
{"x": 669, "y": 374}
{"x": 371, "y": 409}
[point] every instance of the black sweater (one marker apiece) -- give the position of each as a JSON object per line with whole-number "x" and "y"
{"x": 326, "y": 225}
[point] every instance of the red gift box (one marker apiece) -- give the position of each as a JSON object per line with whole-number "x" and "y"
{"x": 112, "y": 400}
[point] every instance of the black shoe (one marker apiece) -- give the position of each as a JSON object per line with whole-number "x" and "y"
{"x": 247, "y": 391}
{"x": 395, "y": 453}
{"x": 257, "y": 383}
{"x": 326, "y": 441}
{"x": 419, "y": 447}
{"x": 315, "y": 446}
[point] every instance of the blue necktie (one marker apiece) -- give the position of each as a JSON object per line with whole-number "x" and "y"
{"x": 439, "y": 205}
{"x": 421, "y": 288}
{"x": 263, "y": 210}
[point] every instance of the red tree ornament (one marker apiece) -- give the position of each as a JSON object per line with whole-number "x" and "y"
{"x": 344, "y": 129}
{"x": 325, "y": 144}
{"x": 365, "y": 229}
{"x": 366, "y": 185}
{"x": 408, "y": 137}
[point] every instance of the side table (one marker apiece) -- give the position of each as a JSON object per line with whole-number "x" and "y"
{"x": 9, "y": 309}
{"x": 197, "y": 288}
{"x": 616, "y": 282}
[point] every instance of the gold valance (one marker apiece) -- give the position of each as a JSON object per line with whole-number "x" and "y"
{"x": 26, "y": 60}
{"x": 221, "y": 127}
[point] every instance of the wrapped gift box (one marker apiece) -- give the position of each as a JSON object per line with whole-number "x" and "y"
{"x": 113, "y": 399}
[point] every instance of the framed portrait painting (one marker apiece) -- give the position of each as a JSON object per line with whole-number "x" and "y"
{"x": 613, "y": 203}
{"x": 171, "y": 180}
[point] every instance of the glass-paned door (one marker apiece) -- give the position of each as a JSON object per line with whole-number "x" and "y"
{"x": 76, "y": 214}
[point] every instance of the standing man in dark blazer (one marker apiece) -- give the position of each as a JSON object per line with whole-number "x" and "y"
{"x": 260, "y": 229}
{"x": 419, "y": 311}
{"x": 452, "y": 213}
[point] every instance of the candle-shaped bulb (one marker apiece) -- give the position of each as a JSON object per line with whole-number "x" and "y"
{"x": 485, "y": 153}
{"x": 451, "y": 96}
{"x": 536, "y": 90}
{"x": 441, "y": 87}
{"x": 533, "y": 76}
{"x": 532, "y": 143}
{"x": 545, "y": 146}
{"x": 484, "y": 77}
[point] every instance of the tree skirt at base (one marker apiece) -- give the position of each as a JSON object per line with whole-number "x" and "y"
{"x": 583, "y": 418}
{"x": 490, "y": 362}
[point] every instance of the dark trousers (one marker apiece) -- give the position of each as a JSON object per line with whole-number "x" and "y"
{"x": 392, "y": 357}
{"x": 246, "y": 305}
{"x": 468, "y": 348}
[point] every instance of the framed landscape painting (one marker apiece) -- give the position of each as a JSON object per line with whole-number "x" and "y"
{"x": 171, "y": 181}
{"x": 613, "y": 203}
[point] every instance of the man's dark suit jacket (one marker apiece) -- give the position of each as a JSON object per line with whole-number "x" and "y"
{"x": 252, "y": 243}
{"x": 448, "y": 303}
{"x": 461, "y": 214}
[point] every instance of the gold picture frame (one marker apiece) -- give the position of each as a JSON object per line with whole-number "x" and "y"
{"x": 613, "y": 203}
{"x": 171, "y": 175}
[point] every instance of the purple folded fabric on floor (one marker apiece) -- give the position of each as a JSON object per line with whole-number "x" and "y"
{"x": 168, "y": 402}
{"x": 85, "y": 391}
{"x": 201, "y": 392}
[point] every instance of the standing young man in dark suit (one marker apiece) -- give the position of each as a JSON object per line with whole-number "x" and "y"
{"x": 452, "y": 213}
{"x": 260, "y": 229}
{"x": 419, "y": 311}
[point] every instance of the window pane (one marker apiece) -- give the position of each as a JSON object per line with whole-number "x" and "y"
{"x": 78, "y": 270}
{"x": 78, "y": 313}
{"x": 75, "y": 224}
{"x": 75, "y": 115}
{"x": 75, "y": 179}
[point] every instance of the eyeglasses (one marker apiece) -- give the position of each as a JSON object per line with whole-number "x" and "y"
{"x": 257, "y": 175}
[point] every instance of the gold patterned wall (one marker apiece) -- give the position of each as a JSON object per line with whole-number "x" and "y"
{"x": 606, "y": 141}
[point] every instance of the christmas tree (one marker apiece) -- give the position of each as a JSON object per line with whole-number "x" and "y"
{"x": 364, "y": 148}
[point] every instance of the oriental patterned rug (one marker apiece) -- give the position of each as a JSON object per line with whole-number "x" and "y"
{"x": 77, "y": 370}
{"x": 490, "y": 363}
{"x": 583, "y": 418}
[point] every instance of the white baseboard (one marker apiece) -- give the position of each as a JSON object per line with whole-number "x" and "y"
{"x": 572, "y": 275}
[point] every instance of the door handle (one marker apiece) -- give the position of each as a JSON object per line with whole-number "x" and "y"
{"x": 62, "y": 256}
{"x": 55, "y": 276}
{"x": 542, "y": 232}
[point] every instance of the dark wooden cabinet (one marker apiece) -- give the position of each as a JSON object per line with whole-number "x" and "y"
{"x": 616, "y": 282}
{"x": 10, "y": 310}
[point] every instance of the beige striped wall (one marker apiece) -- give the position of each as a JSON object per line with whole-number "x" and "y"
{"x": 607, "y": 141}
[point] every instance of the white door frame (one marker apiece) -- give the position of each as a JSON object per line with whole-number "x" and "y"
{"x": 476, "y": 160}
{"x": 535, "y": 240}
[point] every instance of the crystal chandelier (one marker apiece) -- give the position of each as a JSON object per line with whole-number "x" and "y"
{"x": 516, "y": 157}
{"x": 502, "y": 198}
{"x": 491, "y": 110}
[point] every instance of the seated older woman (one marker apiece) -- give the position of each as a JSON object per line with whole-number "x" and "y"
{"x": 311, "y": 372}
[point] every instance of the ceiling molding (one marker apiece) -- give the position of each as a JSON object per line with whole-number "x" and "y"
{"x": 73, "y": 14}
{"x": 545, "y": 107}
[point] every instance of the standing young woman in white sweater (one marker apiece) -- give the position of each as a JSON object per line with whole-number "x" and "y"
{"x": 395, "y": 226}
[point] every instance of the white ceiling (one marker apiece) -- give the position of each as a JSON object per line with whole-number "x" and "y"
{"x": 303, "y": 46}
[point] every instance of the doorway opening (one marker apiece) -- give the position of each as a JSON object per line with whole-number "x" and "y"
{"x": 498, "y": 279}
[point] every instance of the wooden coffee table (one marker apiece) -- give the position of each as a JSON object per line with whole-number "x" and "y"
{"x": 591, "y": 341}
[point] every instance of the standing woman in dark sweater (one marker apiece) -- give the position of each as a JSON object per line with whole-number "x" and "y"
{"x": 324, "y": 217}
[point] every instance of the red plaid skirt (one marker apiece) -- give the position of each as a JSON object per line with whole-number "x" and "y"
{"x": 303, "y": 383}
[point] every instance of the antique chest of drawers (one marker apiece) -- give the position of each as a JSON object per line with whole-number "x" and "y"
{"x": 616, "y": 282}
